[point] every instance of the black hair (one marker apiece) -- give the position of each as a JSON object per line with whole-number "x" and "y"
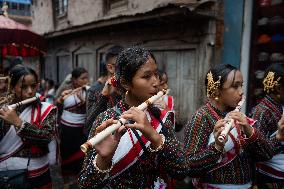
{"x": 128, "y": 62}
{"x": 222, "y": 71}
{"x": 278, "y": 70}
{"x": 103, "y": 69}
{"x": 16, "y": 62}
{"x": 113, "y": 52}
{"x": 161, "y": 73}
{"x": 77, "y": 72}
{"x": 18, "y": 71}
{"x": 50, "y": 82}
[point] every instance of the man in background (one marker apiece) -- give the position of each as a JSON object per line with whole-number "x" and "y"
{"x": 102, "y": 95}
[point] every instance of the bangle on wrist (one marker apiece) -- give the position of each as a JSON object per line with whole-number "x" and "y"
{"x": 100, "y": 170}
{"x": 252, "y": 133}
{"x": 160, "y": 146}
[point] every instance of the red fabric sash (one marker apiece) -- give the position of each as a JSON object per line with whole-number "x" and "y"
{"x": 269, "y": 170}
{"x": 170, "y": 103}
{"x": 131, "y": 157}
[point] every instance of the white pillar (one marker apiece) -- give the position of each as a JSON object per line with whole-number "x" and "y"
{"x": 245, "y": 46}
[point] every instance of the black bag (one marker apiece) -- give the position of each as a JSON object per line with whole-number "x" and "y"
{"x": 14, "y": 179}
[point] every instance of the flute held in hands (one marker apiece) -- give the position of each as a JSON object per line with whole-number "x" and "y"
{"x": 85, "y": 87}
{"x": 27, "y": 101}
{"x": 100, "y": 136}
{"x": 229, "y": 124}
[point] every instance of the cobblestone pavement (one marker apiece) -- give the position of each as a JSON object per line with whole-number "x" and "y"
{"x": 71, "y": 181}
{"x": 58, "y": 182}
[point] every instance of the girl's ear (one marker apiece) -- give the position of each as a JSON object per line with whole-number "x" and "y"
{"x": 125, "y": 84}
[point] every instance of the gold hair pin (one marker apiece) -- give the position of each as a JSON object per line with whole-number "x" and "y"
{"x": 212, "y": 86}
{"x": 269, "y": 82}
{"x": 8, "y": 81}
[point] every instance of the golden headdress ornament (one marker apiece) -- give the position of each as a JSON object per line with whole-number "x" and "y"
{"x": 6, "y": 97}
{"x": 212, "y": 86}
{"x": 269, "y": 82}
{"x": 8, "y": 79}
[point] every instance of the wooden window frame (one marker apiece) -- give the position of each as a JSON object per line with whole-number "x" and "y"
{"x": 61, "y": 8}
{"x": 115, "y": 6}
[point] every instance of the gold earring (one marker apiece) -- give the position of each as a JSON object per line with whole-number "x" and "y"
{"x": 278, "y": 96}
{"x": 126, "y": 93}
{"x": 216, "y": 98}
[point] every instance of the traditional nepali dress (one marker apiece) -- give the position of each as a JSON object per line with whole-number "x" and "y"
{"x": 234, "y": 168}
{"x": 133, "y": 167}
{"x": 268, "y": 113}
{"x": 169, "y": 100}
{"x": 18, "y": 145}
{"x": 72, "y": 122}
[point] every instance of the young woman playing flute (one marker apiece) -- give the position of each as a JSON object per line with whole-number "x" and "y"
{"x": 136, "y": 156}
{"x": 72, "y": 117}
{"x": 26, "y": 131}
{"x": 220, "y": 165}
{"x": 268, "y": 112}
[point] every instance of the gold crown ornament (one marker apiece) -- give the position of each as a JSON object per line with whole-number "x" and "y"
{"x": 212, "y": 86}
{"x": 269, "y": 82}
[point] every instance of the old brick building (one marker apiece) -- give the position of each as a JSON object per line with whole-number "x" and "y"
{"x": 181, "y": 34}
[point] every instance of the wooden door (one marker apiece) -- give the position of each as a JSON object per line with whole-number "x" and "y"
{"x": 181, "y": 69}
{"x": 64, "y": 67}
{"x": 87, "y": 61}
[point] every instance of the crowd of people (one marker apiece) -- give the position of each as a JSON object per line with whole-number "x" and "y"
{"x": 144, "y": 152}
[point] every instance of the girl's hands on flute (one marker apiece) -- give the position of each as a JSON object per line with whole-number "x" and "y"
{"x": 242, "y": 121}
{"x": 66, "y": 92}
{"x": 143, "y": 125}
{"x": 79, "y": 94}
{"x": 10, "y": 116}
{"x": 63, "y": 94}
{"x": 106, "y": 148}
{"x": 218, "y": 128}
